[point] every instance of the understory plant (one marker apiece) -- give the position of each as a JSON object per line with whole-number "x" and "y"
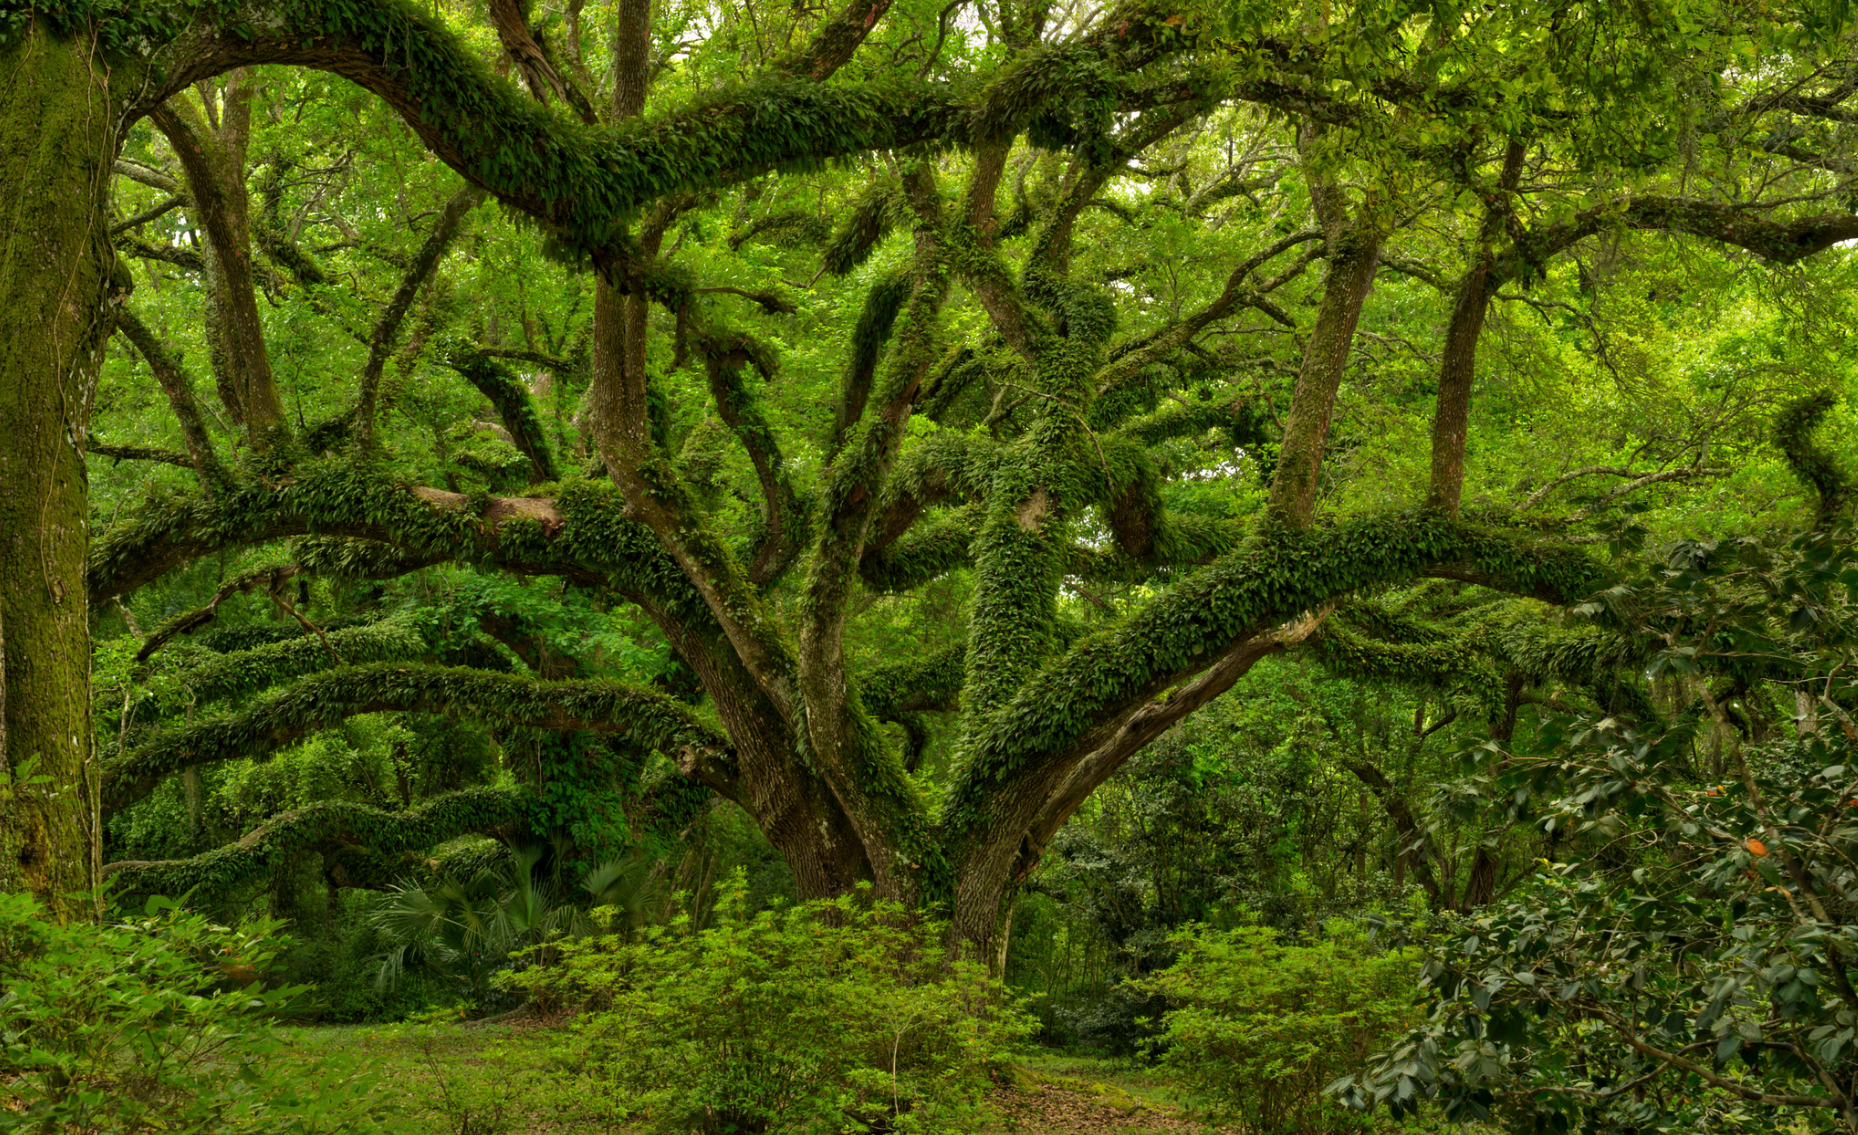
{"x": 157, "y": 1023}
{"x": 1259, "y": 1025}
{"x": 464, "y": 928}
{"x": 829, "y": 1016}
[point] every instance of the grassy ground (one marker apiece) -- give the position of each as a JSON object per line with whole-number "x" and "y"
{"x": 470, "y": 1081}
{"x": 500, "y": 1080}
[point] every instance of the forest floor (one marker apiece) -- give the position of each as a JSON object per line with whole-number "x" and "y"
{"x": 498, "y": 1080}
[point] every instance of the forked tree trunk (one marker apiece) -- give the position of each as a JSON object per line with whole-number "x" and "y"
{"x": 57, "y": 143}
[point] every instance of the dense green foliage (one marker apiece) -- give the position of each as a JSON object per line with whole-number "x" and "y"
{"x": 821, "y": 1017}
{"x": 1262, "y": 1025}
{"x": 1681, "y": 965}
{"x": 158, "y": 1022}
{"x": 1079, "y": 472}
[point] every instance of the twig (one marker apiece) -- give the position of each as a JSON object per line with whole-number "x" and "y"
{"x": 283, "y": 604}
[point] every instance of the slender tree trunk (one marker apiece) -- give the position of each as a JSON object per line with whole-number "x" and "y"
{"x": 215, "y": 163}
{"x": 1354, "y": 254}
{"x": 1452, "y": 419}
{"x": 57, "y": 142}
{"x": 179, "y": 387}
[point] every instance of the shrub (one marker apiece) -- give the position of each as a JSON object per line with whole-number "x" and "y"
{"x": 1261, "y": 1025}
{"x": 823, "y": 1017}
{"x": 155, "y": 1023}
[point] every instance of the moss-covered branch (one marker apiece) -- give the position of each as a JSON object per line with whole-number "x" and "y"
{"x": 511, "y": 399}
{"x": 328, "y": 828}
{"x": 783, "y": 514}
{"x": 178, "y": 385}
{"x": 214, "y": 676}
{"x": 1072, "y": 706}
{"x": 579, "y": 532}
{"x": 932, "y": 682}
{"x": 875, "y": 321}
{"x": 926, "y": 552}
{"x": 323, "y": 700}
{"x": 140, "y": 453}
{"x": 863, "y": 771}
{"x": 1422, "y": 660}
{"x": 943, "y": 468}
{"x": 1816, "y": 468}
{"x": 387, "y": 327}
{"x": 577, "y": 180}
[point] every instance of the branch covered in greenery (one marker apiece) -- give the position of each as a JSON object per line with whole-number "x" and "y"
{"x": 319, "y": 701}
{"x": 329, "y": 827}
{"x": 1816, "y": 468}
{"x": 1069, "y": 708}
{"x": 216, "y": 676}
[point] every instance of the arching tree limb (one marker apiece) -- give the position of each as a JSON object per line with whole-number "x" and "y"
{"x": 512, "y": 401}
{"x": 333, "y": 696}
{"x": 783, "y": 515}
{"x": 327, "y": 827}
{"x": 836, "y": 41}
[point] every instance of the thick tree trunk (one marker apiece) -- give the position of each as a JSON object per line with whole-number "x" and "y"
{"x": 57, "y": 143}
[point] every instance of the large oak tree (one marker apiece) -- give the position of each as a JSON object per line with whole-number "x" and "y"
{"x": 1053, "y": 389}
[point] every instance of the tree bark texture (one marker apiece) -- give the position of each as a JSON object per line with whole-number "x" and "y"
{"x": 215, "y": 165}
{"x": 57, "y": 143}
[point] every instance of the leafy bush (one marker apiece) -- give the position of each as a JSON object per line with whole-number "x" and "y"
{"x": 824, "y": 1017}
{"x": 1261, "y": 1025}
{"x": 155, "y": 1023}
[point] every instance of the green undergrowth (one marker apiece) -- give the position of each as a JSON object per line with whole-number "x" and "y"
{"x": 1119, "y": 1082}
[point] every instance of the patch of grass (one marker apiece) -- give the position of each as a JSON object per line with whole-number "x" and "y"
{"x": 491, "y": 1080}
{"x": 504, "y": 1080}
{"x": 1105, "y": 1075}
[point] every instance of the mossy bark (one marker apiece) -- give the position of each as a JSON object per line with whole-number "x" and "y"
{"x": 1451, "y": 423}
{"x": 57, "y": 142}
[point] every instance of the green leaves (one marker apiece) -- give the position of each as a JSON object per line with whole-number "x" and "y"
{"x": 1692, "y": 937}
{"x": 1261, "y": 1024}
